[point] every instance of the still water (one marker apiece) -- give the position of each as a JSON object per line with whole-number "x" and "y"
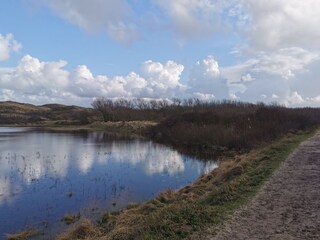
{"x": 44, "y": 175}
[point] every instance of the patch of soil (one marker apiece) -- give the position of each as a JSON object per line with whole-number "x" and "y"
{"x": 286, "y": 207}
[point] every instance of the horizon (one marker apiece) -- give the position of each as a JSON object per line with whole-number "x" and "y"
{"x": 71, "y": 52}
{"x": 169, "y": 101}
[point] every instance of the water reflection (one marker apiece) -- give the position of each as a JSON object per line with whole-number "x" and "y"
{"x": 38, "y": 168}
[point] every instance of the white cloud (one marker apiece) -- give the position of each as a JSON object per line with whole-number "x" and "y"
{"x": 34, "y": 77}
{"x": 205, "y": 78}
{"x": 314, "y": 100}
{"x": 234, "y": 97}
{"x": 294, "y": 99}
{"x": 281, "y": 23}
{"x": 8, "y": 44}
{"x": 263, "y": 78}
{"x": 204, "y": 96}
{"x": 247, "y": 78}
{"x": 36, "y": 81}
{"x": 286, "y": 63}
{"x": 265, "y": 24}
{"x": 113, "y": 17}
{"x": 273, "y": 74}
{"x": 162, "y": 76}
{"x": 193, "y": 18}
{"x": 208, "y": 68}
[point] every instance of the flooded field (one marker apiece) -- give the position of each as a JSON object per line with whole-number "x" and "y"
{"x": 45, "y": 175}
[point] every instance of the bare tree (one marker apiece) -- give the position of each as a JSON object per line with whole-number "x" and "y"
{"x": 105, "y": 107}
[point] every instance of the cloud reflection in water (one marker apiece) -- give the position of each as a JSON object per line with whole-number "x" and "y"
{"x": 38, "y": 168}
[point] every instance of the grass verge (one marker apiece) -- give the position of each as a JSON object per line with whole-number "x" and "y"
{"x": 210, "y": 200}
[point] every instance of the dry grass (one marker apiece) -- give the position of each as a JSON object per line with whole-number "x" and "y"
{"x": 133, "y": 125}
{"x": 210, "y": 200}
{"x": 20, "y": 107}
{"x": 25, "y": 234}
{"x": 126, "y": 127}
{"x": 83, "y": 230}
{"x": 22, "y": 114}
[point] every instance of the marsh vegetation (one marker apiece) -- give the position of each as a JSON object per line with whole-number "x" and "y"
{"x": 250, "y": 140}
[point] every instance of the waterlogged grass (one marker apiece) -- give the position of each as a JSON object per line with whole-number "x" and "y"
{"x": 25, "y": 234}
{"x": 209, "y": 201}
{"x": 70, "y": 218}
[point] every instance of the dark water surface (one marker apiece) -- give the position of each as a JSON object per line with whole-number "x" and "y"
{"x": 39, "y": 171}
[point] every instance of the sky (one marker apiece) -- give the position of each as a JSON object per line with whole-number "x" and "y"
{"x": 73, "y": 51}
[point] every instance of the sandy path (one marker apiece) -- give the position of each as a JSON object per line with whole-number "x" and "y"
{"x": 287, "y": 206}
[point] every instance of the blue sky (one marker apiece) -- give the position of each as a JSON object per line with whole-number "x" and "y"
{"x": 71, "y": 51}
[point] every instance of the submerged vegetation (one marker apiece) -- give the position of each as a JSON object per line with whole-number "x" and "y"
{"x": 70, "y": 218}
{"x": 23, "y": 235}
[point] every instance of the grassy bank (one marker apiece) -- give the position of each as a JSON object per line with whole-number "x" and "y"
{"x": 210, "y": 200}
{"x": 137, "y": 128}
{"x": 126, "y": 127}
{"x": 251, "y": 139}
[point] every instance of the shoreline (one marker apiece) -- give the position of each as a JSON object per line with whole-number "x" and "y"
{"x": 201, "y": 209}
{"x": 210, "y": 200}
{"x": 129, "y": 127}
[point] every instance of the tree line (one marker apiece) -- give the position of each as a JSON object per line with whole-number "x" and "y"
{"x": 207, "y": 127}
{"x": 153, "y": 109}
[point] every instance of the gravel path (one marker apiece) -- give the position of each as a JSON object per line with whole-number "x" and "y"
{"x": 287, "y": 206}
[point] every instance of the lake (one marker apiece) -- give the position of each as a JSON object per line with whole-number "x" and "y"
{"x": 44, "y": 175}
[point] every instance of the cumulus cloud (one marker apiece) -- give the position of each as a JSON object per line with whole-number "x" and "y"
{"x": 8, "y": 44}
{"x": 36, "y": 81}
{"x": 205, "y": 78}
{"x": 284, "y": 76}
{"x": 113, "y": 17}
{"x": 294, "y": 99}
{"x": 162, "y": 78}
{"x": 34, "y": 77}
{"x": 33, "y": 80}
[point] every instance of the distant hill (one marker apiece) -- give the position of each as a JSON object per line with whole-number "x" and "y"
{"x": 19, "y": 113}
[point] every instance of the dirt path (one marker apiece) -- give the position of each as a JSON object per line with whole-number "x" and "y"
{"x": 287, "y": 206}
